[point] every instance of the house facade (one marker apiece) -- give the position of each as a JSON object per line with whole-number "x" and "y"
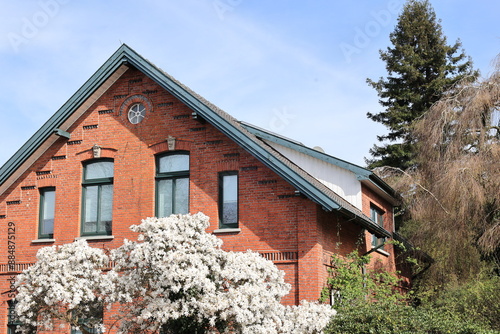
{"x": 133, "y": 142}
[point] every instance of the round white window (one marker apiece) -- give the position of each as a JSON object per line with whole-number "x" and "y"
{"x": 136, "y": 113}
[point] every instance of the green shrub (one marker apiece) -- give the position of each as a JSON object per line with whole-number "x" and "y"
{"x": 400, "y": 319}
{"x": 370, "y": 303}
{"x": 356, "y": 284}
{"x": 477, "y": 299}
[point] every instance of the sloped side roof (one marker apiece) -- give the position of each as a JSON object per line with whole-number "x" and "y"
{"x": 362, "y": 174}
{"x": 302, "y": 181}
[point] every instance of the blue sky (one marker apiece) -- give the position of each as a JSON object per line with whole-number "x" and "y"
{"x": 297, "y": 68}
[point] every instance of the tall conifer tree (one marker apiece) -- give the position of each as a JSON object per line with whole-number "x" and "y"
{"x": 421, "y": 66}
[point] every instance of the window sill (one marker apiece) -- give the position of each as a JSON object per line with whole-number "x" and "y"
{"x": 227, "y": 230}
{"x": 95, "y": 237}
{"x": 383, "y": 252}
{"x": 42, "y": 241}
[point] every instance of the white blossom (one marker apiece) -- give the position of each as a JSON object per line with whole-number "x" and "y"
{"x": 65, "y": 283}
{"x": 175, "y": 275}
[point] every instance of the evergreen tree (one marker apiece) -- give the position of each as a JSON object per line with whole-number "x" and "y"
{"x": 421, "y": 66}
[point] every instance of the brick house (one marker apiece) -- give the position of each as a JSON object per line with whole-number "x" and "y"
{"x": 133, "y": 142}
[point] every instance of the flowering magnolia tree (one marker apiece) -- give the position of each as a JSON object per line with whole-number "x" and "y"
{"x": 65, "y": 285}
{"x": 175, "y": 279}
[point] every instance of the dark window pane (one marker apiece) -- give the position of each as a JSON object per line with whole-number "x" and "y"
{"x": 47, "y": 227}
{"x": 106, "y": 202}
{"x": 106, "y": 209}
{"x": 91, "y": 196}
{"x": 48, "y": 197}
{"x": 89, "y": 227}
{"x": 105, "y": 228}
{"x": 377, "y": 217}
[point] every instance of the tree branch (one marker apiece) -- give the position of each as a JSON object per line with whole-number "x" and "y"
{"x": 416, "y": 183}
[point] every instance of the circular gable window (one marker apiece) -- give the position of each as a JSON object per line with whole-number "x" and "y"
{"x": 136, "y": 113}
{"x": 135, "y": 108}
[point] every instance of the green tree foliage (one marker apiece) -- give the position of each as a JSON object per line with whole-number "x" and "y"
{"x": 477, "y": 299}
{"x": 421, "y": 66}
{"x": 353, "y": 283}
{"x": 368, "y": 302}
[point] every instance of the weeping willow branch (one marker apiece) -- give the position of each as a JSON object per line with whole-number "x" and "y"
{"x": 381, "y": 171}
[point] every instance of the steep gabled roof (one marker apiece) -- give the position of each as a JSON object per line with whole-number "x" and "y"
{"x": 124, "y": 57}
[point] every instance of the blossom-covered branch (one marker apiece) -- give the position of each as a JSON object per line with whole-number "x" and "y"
{"x": 175, "y": 278}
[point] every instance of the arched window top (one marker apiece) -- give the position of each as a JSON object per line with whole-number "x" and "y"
{"x": 173, "y": 162}
{"x": 98, "y": 170}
